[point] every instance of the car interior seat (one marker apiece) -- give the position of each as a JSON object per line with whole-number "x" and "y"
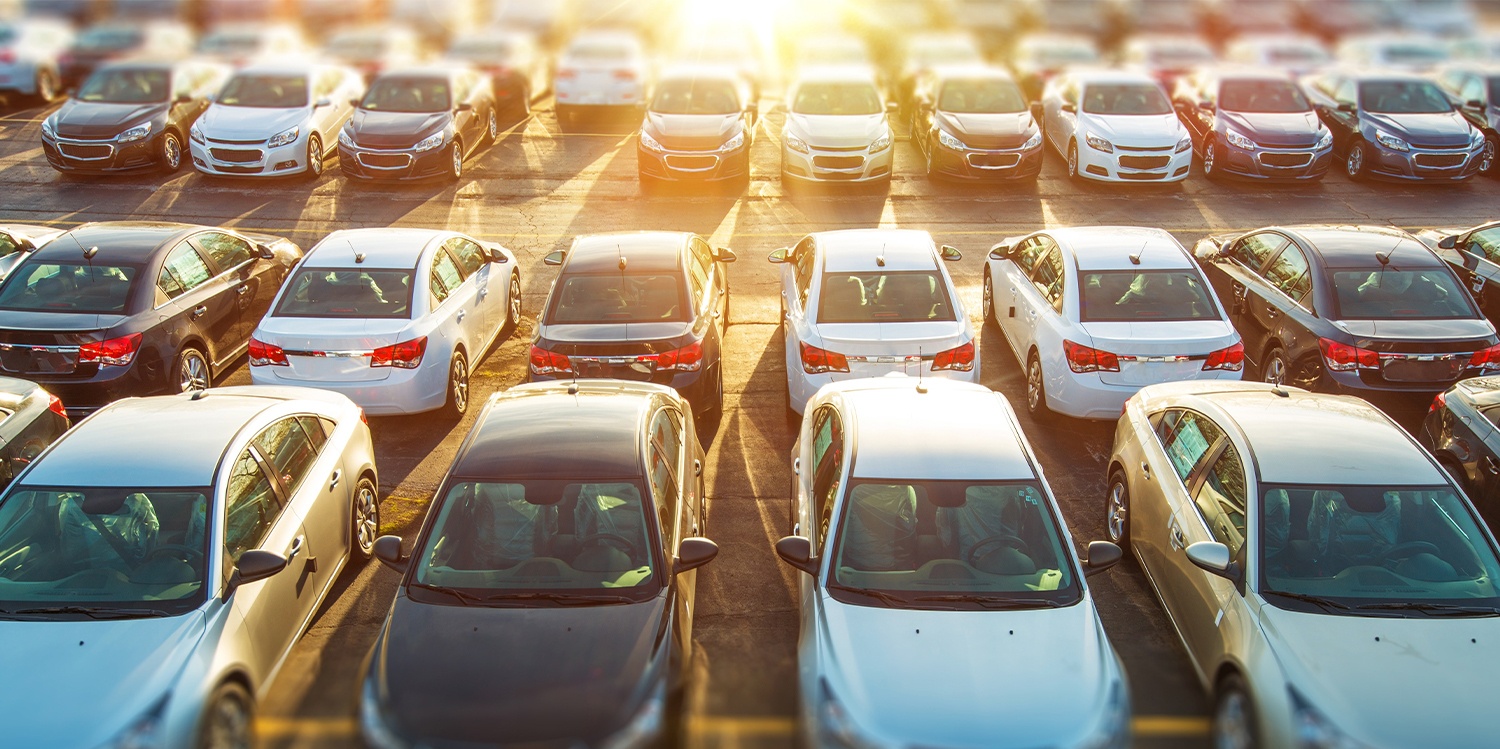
{"x": 880, "y": 532}
{"x": 1353, "y": 532}
{"x": 120, "y": 539}
{"x": 609, "y": 523}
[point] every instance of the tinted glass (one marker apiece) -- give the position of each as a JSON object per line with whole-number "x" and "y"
{"x": 1288, "y": 272}
{"x": 981, "y": 96}
{"x": 1394, "y": 294}
{"x": 837, "y": 99}
{"x": 1254, "y": 250}
{"x": 1494, "y": 89}
{"x": 470, "y": 256}
{"x": 897, "y": 296}
{"x": 108, "y": 38}
{"x": 1220, "y": 499}
{"x": 67, "y": 287}
{"x": 227, "y": 252}
{"x": 616, "y": 297}
{"x": 250, "y": 508}
{"x": 126, "y": 86}
{"x": 1486, "y": 243}
{"x": 271, "y": 91}
{"x": 325, "y": 292}
{"x": 408, "y": 94}
{"x": 1123, "y": 296}
{"x": 229, "y": 42}
{"x": 286, "y": 446}
{"x": 696, "y": 97}
{"x": 1186, "y": 438}
{"x": 1262, "y": 96}
{"x": 1403, "y": 97}
{"x": 8, "y": 245}
{"x": 1125, "y": 98}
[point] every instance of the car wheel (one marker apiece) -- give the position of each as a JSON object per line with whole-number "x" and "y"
{"x": 1234, "y": 716}
{"x": 193, "y": 372}
{"x": 365, "y": 516}
{"x": 169, "y": 153}
{"x": 1455, "y": 472}
{"x": 927, "y": 161}
{"x": 989, "y": 299}
{"x": 513, "y": 304}
{"x": 1487, "y": 159}
{"x": 314, "y": 157}
{"x": 1036, "y": 389}
{"x": 229, "y": 721}
{"x": 1211, "y": 160}
{"x": 456, "y": 169}
{"x": 1117, "y": 511}
{"x": 492, "y": 128}
{"x": 46, "y": 86}
{"x": 1355, "y": 163}
{"x": 1278, "y": 368}
{"x": 1073, "y": 160}
{"x": 457, "y": 402}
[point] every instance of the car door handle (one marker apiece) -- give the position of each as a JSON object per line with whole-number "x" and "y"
{"x": 1492, "y": 465}
{"x": 484, "y": 291}
{"x": 1176, "y": 540}
{"x": 1272, "y": 312}
{"x": 1146, "y": 471}
{"x": 242, "y": 289}
{"x": 333, "y": 482}
{"x": 200, "y": 310}
{"x": 716, "y": 314}
{"x": 296, "y": 547}
{"x": 460, "y": 315}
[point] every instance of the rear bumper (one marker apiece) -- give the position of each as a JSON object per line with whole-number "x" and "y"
{"x": 405, "y": 391}
{"x": 1086, "y": 396}
{"x": 84, "y": 395}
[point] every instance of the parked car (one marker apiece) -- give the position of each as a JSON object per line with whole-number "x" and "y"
{"x": 1473, "y": 254}
{"x": 1396, "y": 126}
{"x": 1166, "y": 57}
{"x": 1332, "y": 20}
{"x": 837, "y": 128}
{"x": 1038, "y": 58}
{"x": 1092, "y": 18}
{"x": 994, "y": 22}
{"x": 1298, "y": 54}
{"x": 396, "y": 319}
{"x": 517, "y": 67}
{"x": 975, "y": 123}
{"x": 1255, "y": 124}
{"x": 736, "y": 48}
{"x": 1462, "y": 430}
{"x": 275, "y": 119}
{"x": 545, "y": 536}
{"x": 418, "y": 123}
{"x": 1413, "y": 53}
{"x": 30, "y": 50}
{"x": 545, "y": 20}
{"x": 600, "y": 71}
{"x": 18, "y": 240}
{"x": 30, "y": 419}
{"x": 644, "y": 306}
{"x": 374, "y": 49}
{"x": 186, "y": 542}
{"x": 1094, "y": 314}
{"x": 868, "y": 302}
{"x": 831, "y": 50}
{"x": 928, "y": 51}
{"x": 1448, "y": 18}
{"x": 243, "y": 42}
{"x": 925, "y": 529}
{"x": 1362, "y": 310}
{"x": 1299, "y": 543}
{"x": 116, "y": 309}
{"x": 1230, "y": 19}
{"x": 699, "y": 125}
{"x": 1476, "y": 90}
{"x": 130, "y": 116}
{"x": 115, "y": 40}
{"x": 1116, "y": 127}
{"x": 1162, "y": 16}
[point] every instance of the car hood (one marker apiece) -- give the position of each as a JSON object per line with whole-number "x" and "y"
{"x": 395, "y": 129}
{"x": 122, "y": 667}
{"x": 92, "y": 119}
{"x": 1418, "y": 329}
{"x": 989, "y": 130}
{"x": 1439, "y": 129}
{"x": 968, "y": 678}
{"x": 1436, "y": 663}
{"x": 1140, "y": 130}
{"x": 249, "y": 123}
{"x": 692, "y": 132}
{"x": 837, "y": 131}
{"x": 1276, "y": 129}
{"x": 516, "y": 675}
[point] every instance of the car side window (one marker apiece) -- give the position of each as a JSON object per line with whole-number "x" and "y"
{"x": 699, "y": 282}
{"x": 470, "y": 256}
{"x": 1473, "y": 90}
{"x": 1346, "y": 93}
{"x": 702, "y": 255}
{"x": 8, "y": 245}
{"x": 327, "y": 84}
{"x": 828, "y": 460}
{"x": 1220, "y": 499}
{"x": 1186, "y": 437}
{"x": 290, "y": 452}
{"x": 1289, "y": 273}
{"x": 666, "y": 471}
{"x": 182, "y": 81}
{"x": 182, "y": 271}
{"x": 445, "y": 278}
{"x": 1255, "y": 249}
{"x": 803, "y": 267}
{"x": 250, "y": 507}
{"x": 227, "y": 251}
{"x": 317, "y": 430}
{"x": 1048, "y": 277}
{"x": 1027, "y": 254}
{"x": 1486, "y": 243}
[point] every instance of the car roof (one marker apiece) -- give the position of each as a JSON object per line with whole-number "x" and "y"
{"x": 387, "y": 247}
{"x": 641, "y": 251}
{"x": 856, "y": 250}
{"x": 969, "y": 431}
{"x": 127, "y": 241}
{"x": 972, "y": 71}
{"x": 1111, "y": 247}
{"x": 699, "y": 72}
{"x": 141, "y": 63}
{"x": 849, "y": 73}
{"x": 427, "y": 70}
{"x": 1362, "y": 75}
{"x": 1356, "y": 246}
{"x": 1249, "y": 73}
{"x": 558, "y": 430}
{"x": 282, "y": 67}
{"x": 1104, "y": 75}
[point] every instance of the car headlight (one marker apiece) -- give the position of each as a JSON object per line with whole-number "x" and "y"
{"x": 794, "y": 143}
{"x": 1237, "y": 140}
{"x": 135, "y": 133}
{"x": 144, "y": 732}
{"x": 881, "y": 143}
{"x": 1098, "y": 144}
{"x": 49, "y": 128}
{"x": 195, "y": 133}
{"x": 1391, "y": 141}
{"x": 735, "y": 143}
{"x": 1184, "y": 144}
{"x": 430, "y": 142}
{"x": 346, "y": 138}
{"x": 645, "y": 727}
{"x": 649, "y": 142}
{"x": 1313, "y": 729}
{"x": 948, "y": 141}
{"x": 1035, "y": 141}
{"x": 371, "y": 725}
{"x": 1113, "y": 729}
{"x": 283, "y": 138}
{"x": 837, "y": 729}
{"x": 1476, "y": 138}
{"x": 1324, "y": 141}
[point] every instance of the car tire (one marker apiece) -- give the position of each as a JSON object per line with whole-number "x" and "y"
{"x": 315, "y": 161}
{"x": 192, "y": 371}
{"x": 927, "y": 166}
{"x": 1234, "y": 715}
{"x": 565, "y": 118}
{"x": 1073, "y": 172}
{"x": 229, "y": 720}
{"x": 1036, "y": 389}
{"x": 491, "y": 128}
{"x": 46, "y": 86}
{"x": 1211, "y": 168}
{"x": 456, "y": 403}
{"x": 1488, "y": 159}
{"x": 364, "y": 518}
{"x": 1356, "y": 161}
{"x": 512, "y": 305}
{"x": 989, "y": 300}
{"x": 1304, "y": 374}
{"x": 1117, "y": 511}
{"x": 456, "y": 168}
{"x": 169, "y": 154}
{"x": 1455, "y": 472}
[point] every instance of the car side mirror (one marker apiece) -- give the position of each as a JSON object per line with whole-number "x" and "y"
{"x": 266, "y": 253}
{"x": 354, "y": 102}
{"x": 1069, "y": 107}
{"x": 780, "y": 255}
{"x": 183, "y": 98}
{"x": 724, "y": 255}
{"x": 892, "y": 107}
{"x": 693, "y": 553}
{"x": 1036, "y": 110}
{"x": 554, "y": 258}
{"x": 797, "y": 551}
{"x": 1207, "y": 106}
{"x": 1000, "y": 252}
{"x": 1214, "y": 557}
{"x": 1101, "y": 556}
{"x": 1345, "y": 106}
{"x": 323, "y": 102}
{"x": 1474, "y": 104}
{"x": 1447, "y": 243}
{"x": 25, "y": 244}
{"x": 388, "y": 551}
{"x": 463, "y": 107}
{"x": 254, "y": 565}
{"x": 950, "y": 253}
{"x": 496, "y": 256}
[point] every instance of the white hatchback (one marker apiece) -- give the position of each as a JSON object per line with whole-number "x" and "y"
{"x": 1094, "y": 314}
{"x": 1116, "y": 126}
{"x": 275, "y": 119}
{"x": 868, "y": 302}
{"x": 393, "y": 318}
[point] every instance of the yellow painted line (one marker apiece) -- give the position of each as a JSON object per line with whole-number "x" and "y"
{"x": 723, "y": 725}
{"x": 1170, "y": 726}
{"x": 280, "y": 728}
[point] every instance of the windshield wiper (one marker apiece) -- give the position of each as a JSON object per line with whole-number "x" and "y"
{"x": 1434, "y": 609}
{"x": 95, "y": 612}
{"x": 580, "y": 598}
{"x": 1326, "y": 603}
{"x": 994, "y": 602}
{"x": 464, "y": 598}
{"x": 879, "y": 595}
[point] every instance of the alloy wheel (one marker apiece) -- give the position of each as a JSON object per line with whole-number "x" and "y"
{"x": 171, "y": 152}
{"x": 46, "y": 85}
{"x": 1275, "y": 370}
{"x": 1210, "y": 154}
{"x": 228, "y": 724}
{"x": 1118, "y": 514}
{"x": 458, "y": 385}
{"x": 1487, "y": 158}
{"x": 494, "y": 126}
{"x": 366, "y": 517}
{"x": 315, "y": 156}
{"x": 1354, "y": 165}
{"x": 1072, "y": 159}
{"x": 1034, "y": 393}
{"x": 515, "y": 301}
{"x": 457, "y": 169}
{"x": 1232, "y": 722}
{"x": 989, "y": 297}
{"x": 192, "y": 372}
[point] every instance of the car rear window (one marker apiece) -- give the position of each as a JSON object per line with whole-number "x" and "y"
{"x": 1427, "y": 293}
{"x": 1126, "y": 296}
{"x": 897, "y": 296}
{"x": 328, "y": 292}
{"x": 68, "y": 287}
{"x": 619, "y": 298}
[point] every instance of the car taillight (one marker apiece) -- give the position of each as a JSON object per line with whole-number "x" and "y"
{"x": 959, "y": 359}
{"x": 818, "y": 361}
{"x": 1342, "y": 357}
{"x": 686, "y": 359}
{"x": 1230, "y": 359}
{"x": 624, "y": 75}
{"x": 7, "y": 56}
{"x": 266, "y": 354}
{"x": 1488, "y": 358}
{"x": 1082, "y": 359}
{"x": 55, "y": 405}
{"x": 544, "y": 362}
{"x": 566, "y": 75}
{"x": 113, "y": 352}
{"x": 1440, "y": 401}
{"x": 404, "y": 355}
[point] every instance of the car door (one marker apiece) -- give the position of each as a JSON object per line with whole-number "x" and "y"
{"x": 253, "y": 280}
{"x": 1341, "y": 114}
{"x": 665, "y": 473}
{"x": 1016, "y": 275}
{"x": 1039, "y": 304}
{"x": 1479, "y": 261}
{"x": 1234, "y": 273}
{"x": 1278, "y": 311}
{"x": 316, "y": 490}
{"x": 715, "y": 301}
{"x": 453, "y": 299}
{"x": 468, "y": 118}
{"x": 1220, "y": 494}
{"x": 797, "y": 289}
{"x": 487, "y": 310}
{"x": 202, "y": 298}
{"x": 1191, "y": 93}
{"x": 1473, "y": 102}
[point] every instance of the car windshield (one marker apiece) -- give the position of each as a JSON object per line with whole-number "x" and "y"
{"x": 1063, "y": 54}
{"x": 1262, "y": 96}
{"x": 1179, "y": 55}
{"x": 1125, "y": 98}
{"x": 400, "y": 93}
{"x": 571, "y": 536}
{"x": 126, "y": 86}
{"x": 1426, "y": 293}
{"x": 342, "y": 292}
{"x": 618, "y": 298}
{"x": 109, "y": 39}
{"x": 1493, "y": 84}
{"x": 360, "y": 47}
{"x": 982, "y": 96}
{"x": 696, "y": 97}
{"x": 47, "y": 286}
{"x": 1403, "y": 97}
{"x": 837, "y": 99}
{"x": 601, "y": 52}
{"x": 270, "y": 91}
{"x": 116, "y": 551}
{"x": 945, "y": 52}
{"x": 1287, "y": 54}
{"x": 481, "y": 49}
{"x": 230, "y": 42}
{"x": 950, "y": 544}
{"x": 1413, "y": 54}
{"x": 1126, "y": 296}
{"x": 1373, "y": 545}
{"x": 896, "y": 296}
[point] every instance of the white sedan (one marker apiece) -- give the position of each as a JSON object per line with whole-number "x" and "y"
{"x": 1116, "y": 127}
{"x": 1094, "y": 314}
{"x": 275, "y": 119}
{"x": 837, "y": 128}
{"x": 868, "y": 302}
{"x": 393, "y": 318}
{"x": 600, "y": 71}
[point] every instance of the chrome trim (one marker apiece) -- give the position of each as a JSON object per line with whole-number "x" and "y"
{"x": 969, "y": 158}
{"x": 329, "y": 354}
{"x": 1310, "y": 156}
{"x": 360, "y": 157}
{"x": 75, "y": 142}
{"x": 667, "y": 160}
{"x": 38, "y": 348}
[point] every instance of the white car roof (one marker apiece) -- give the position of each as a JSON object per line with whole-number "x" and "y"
{"x": 282, "y": 67}
{"x": 1099, "y": 75}
{"x": 387, "y": 247}
{"x": 850, "y": 73}
{"x": 1110, "y": 247}
{"x": 856, "y": 250}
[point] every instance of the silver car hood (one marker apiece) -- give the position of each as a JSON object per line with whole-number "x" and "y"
{"x": 837, "y": 131}
{"x": 250, "y": 123}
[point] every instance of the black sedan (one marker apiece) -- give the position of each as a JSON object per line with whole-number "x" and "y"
{"x": 699, "y": 126}
{"x": 419, "y": 123}
{"x": 131, "y": 116}
{"x": 116, "y": 309}
{"x": 975, "y": 123}
{"x": 1476, "y": 89}
{"x": 1253, "y": 124}
{"x": 647, "y": 306}
{"x": 30, "y": 419}
{"x": 1462, "y": 429}
{"x": 1358, "y": 310}
{"x": 1396, "y": 126}
{"x": 1474, "y": 254}
{"x": 117, "y": 40}
{"x": 516, "y": 65}
{"x": 548, "y": 599}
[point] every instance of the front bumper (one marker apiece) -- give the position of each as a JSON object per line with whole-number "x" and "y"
{"x": 405, "y": 391}
{"x": 394, "y": 163}
{"x": 823, "y": 165}
{"x": 100, "y": 156}
{"x": 1424, "y": 164}
{"x": 239, "y": 159}
{"x": 982, "y": 164}
{"x": 693, "y": 165}
{"x": 1129, "y": 165}
{"x": 1276, "y": 163}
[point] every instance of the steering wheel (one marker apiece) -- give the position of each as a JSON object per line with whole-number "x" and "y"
{"x": 1005, "y": 539}
{"x": 626, "y": 543}
{"x": 1408, "y": 549}
{"x": 187, "y": 553}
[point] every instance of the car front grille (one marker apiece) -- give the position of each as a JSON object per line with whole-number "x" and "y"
{"x": 1439, "y": 160}
{"x": 838, "y": 162}
{"x": 85, "y": 151}
{"x": 235, "y": 155}
{"x": 994, "y": 160}
{"x": 1144, "y": 162}
{"x": 385, "y": 160}
{"x": 1285, "y": 160}
{"x": 694, "y": 163}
